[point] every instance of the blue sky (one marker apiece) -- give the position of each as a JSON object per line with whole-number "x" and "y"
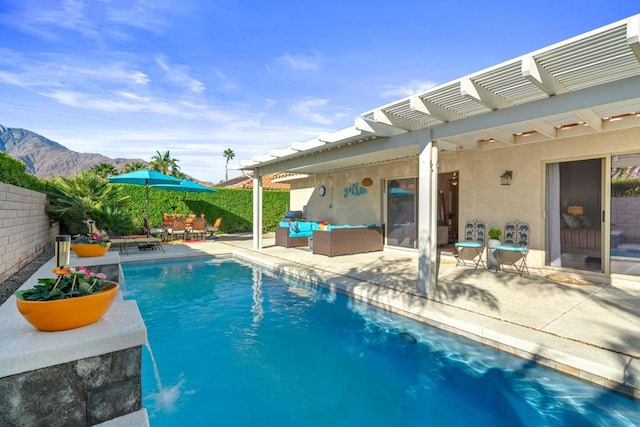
{"x": 129, "y": 78}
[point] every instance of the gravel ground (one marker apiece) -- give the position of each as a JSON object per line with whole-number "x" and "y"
{"x": 10, "y": 285}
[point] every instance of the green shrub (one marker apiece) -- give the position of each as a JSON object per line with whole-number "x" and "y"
{"x": 625, "y": 187}
{"x": 13, "y": 171}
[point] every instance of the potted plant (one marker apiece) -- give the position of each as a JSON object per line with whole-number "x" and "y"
{"x": 94, "y": 243}
{"x": 75, "y": 297}
{"x": 494, "y": 241}
{"x": 495, "y": 233}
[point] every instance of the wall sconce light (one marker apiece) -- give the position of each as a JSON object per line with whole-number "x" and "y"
{"x": 62, "y": 250}
{"x": 575, "y": 210}
{"x": 505, "y": 178}
{"x": 454, "y": 179}
{"x": 367, "y": 182}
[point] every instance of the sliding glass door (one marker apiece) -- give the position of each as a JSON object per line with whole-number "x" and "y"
{"x": 625, "y": 214}
{"x": 575, "y": 215}
{"x": 402, "y": 212}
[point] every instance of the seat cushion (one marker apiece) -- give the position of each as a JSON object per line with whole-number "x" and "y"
{"x": 509, "y": 248}
{"x": 468, "y": 245}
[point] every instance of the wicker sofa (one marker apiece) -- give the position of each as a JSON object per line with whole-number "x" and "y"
{"x": 345, "y": 240}
{"x": 294, "y": 234}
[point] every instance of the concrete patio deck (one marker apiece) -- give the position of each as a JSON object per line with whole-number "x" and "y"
{"x": 589, "y": 331}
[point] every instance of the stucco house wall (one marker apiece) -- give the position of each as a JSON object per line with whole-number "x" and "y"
{"x": 481, "y": 194}
{"x": 25, "y": 231}
{"x": 347, "y": 201}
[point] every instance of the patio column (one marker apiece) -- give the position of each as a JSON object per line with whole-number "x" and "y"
{"x": 427, "y": 228}
{"x": 257, "y": 210}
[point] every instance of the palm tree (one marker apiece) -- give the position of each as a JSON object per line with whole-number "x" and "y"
{"x": 87, "y": 195}
{"x": 133, "y": 166}
{"x": 104, "y": 170}
{"x": 164, "y": 163}
{"x": 228, "y": 154}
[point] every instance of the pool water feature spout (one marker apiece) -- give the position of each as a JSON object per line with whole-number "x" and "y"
{"x": 155, "y": 366}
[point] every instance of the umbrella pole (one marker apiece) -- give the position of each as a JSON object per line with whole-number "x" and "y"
{"x": 146, "y": 212}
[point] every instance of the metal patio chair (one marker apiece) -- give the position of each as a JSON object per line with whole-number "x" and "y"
{"x": 515, "y": 248}
{"x": 471, "y": 249}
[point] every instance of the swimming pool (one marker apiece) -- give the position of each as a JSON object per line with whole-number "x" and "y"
{"x": 235, "y": 344}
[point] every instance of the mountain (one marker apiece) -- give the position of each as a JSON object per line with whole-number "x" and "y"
{"x": 45, "y": 158}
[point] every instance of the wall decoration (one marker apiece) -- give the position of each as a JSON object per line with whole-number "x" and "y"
{"x": 355, "y": 190}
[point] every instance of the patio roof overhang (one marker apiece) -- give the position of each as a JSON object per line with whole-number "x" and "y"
{"x": 587, "y": 84}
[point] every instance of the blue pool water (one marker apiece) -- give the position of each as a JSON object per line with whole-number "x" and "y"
{"x": 236, "y": 345}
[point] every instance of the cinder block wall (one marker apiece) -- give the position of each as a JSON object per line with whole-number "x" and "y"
{"x": 25, "y": 231}
{"x": 625, "y": 215}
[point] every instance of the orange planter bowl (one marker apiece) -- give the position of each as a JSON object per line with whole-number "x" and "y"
{"x": 90, "y": 249}
{"x": 70, "y": 313}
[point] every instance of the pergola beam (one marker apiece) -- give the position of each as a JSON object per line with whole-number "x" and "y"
{"x": 540, "y": 77}
{"x": 307, "y": 145}
{"x": 392, "y": 120}
{"x": 607, "y": 93}
{"x": 377, "y": 128}
{"x": 591, "y": 118}
{"x": 447, "y": 145}
{"x": 500, "y": 136}
{"x": 416, "y": 103}
{"x": 543, "y": 128}
{"x": 474, "y": 91}
{"x": 343, "y": 134}
{"x": 633, "y": 36}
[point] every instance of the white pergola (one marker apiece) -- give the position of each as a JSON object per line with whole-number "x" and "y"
{"x": 587, "y": 84}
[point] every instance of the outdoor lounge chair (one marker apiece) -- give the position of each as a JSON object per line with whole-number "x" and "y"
{"x": 515, "y": 248}
{"x": 154, "y": 231}
{"x": 211, "y": 229}
{"x": 472, "y": 247}
{"x": 143, "y": 242}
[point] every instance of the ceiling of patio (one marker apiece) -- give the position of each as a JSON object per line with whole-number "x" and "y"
{"x": 587, "y": 84}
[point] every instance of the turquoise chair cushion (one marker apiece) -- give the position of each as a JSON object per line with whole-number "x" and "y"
{"x": 303, "y": 228}
{"x": 468, "y": 245}
{"x": 510, "y": 248}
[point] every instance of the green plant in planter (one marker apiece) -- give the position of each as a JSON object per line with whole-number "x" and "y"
{"x": 94, "y": 236}
{"x": 69, "y": 283}
{"x": 495, "y": 233}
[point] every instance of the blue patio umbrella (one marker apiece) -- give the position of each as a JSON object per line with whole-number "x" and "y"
{"x": 186, "y": 186}
{"x": 146, "y": 178}
{"x": 397, "y": 191}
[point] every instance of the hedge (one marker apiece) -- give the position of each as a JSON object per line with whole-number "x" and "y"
{"x": 13, "y": 171}
{"x": 234, "y": 205}
{"x": 625, "y": 187}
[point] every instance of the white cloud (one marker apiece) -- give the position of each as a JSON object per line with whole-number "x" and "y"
{"x": 95, "y": 20}
{"x": 56, "y": 70}
{"x": 179, "y": 75}
{"x": 411, "y": 88}
{"x": 122, "y": 102}
{"x": 224, "y": 82}
{"x": 319, "y": 110}
{"x": 309, "y": 62}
